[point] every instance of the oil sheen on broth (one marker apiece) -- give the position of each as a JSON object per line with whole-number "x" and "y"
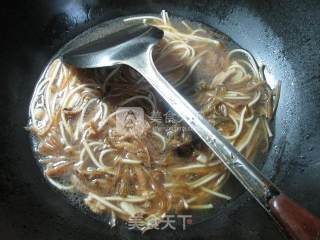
{"x": 153, "y": 166}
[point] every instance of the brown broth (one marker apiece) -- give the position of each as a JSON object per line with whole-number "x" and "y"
{"x": 168, "y": 178}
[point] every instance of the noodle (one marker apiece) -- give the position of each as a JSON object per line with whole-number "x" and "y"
{"x": 149, "y": 169}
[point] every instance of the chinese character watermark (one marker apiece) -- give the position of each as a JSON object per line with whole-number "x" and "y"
{"x": 167, "y": 222}
{"x": 156, "y": 116}
{"x": 172, "y": 117}
{"x": 131, "y": 120}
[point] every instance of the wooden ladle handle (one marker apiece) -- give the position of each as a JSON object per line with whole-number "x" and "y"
{"x": 298, "y": 222}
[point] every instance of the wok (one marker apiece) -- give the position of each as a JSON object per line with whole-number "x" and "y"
{"x": 284, "y": 35}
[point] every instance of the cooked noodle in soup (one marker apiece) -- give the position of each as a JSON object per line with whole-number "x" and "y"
{"x": 153, "y": 167}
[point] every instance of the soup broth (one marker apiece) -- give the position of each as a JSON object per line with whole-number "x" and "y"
{"x": 106, "y": 139}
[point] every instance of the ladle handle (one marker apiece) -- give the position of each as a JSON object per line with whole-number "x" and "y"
{"x": 295, "y": 220}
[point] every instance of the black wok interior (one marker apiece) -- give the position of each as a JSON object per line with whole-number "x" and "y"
{"x": 285, "y": 35}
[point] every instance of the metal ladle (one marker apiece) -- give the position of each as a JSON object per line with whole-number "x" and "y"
{"x": 133, "y": 46}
